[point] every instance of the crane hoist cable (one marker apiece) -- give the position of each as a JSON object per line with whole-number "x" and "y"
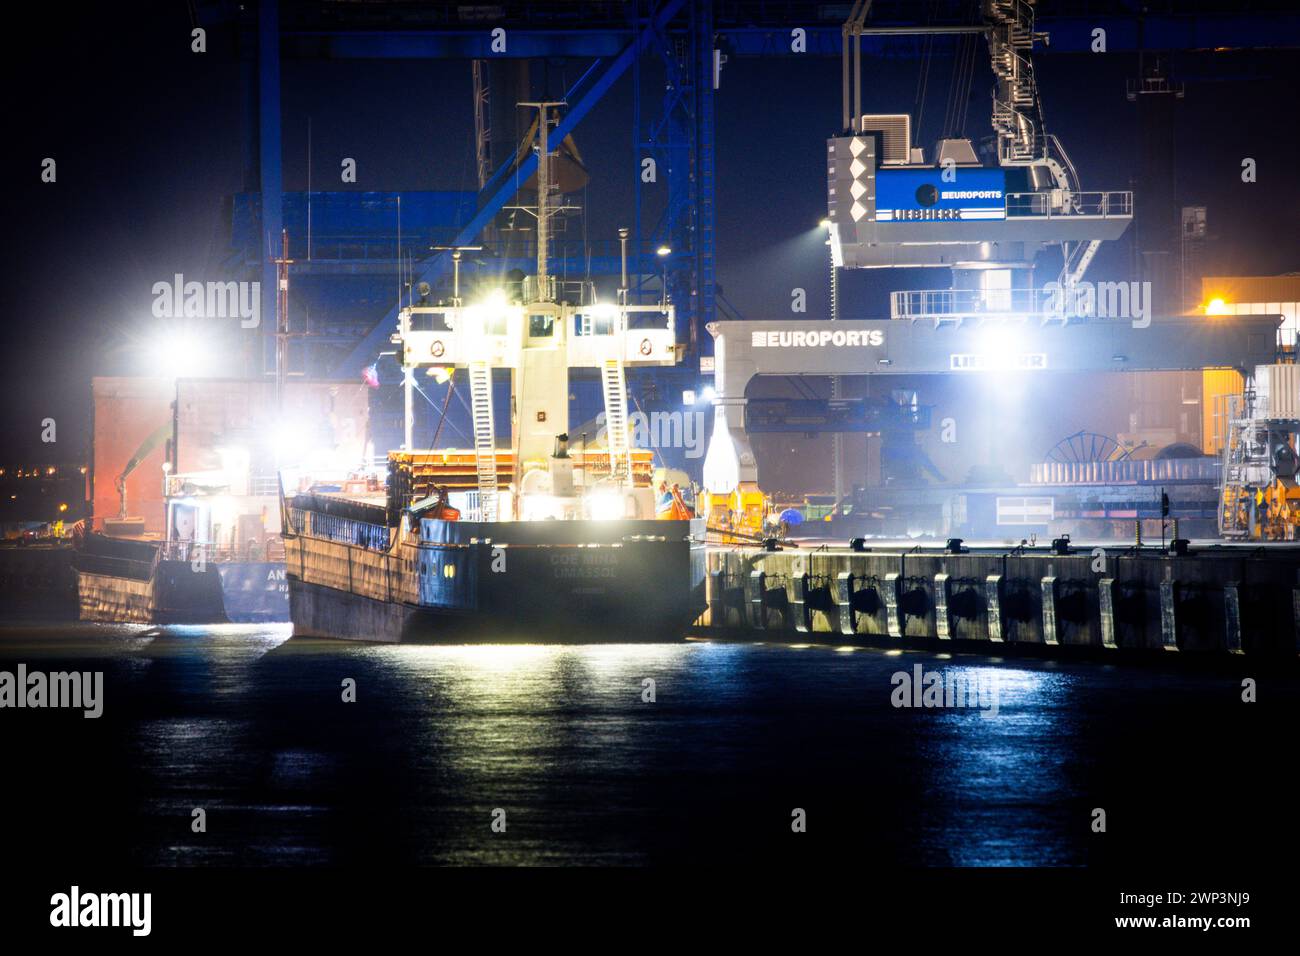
{"x": 442, "y": 417}
{"x": 962, "y": 77}
{"x": 972, "y": 45}
{"x": 923, "y": 75}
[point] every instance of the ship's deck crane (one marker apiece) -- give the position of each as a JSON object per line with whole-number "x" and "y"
{"x": 155, "y": 438}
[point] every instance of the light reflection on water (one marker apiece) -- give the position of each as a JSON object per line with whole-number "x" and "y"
{"x": 991, "y": 768}
{"x": 252, "y": 726}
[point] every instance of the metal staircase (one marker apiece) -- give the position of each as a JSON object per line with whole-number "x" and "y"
{"x": 1078, "y": 256}
{"x": 615, "y": 386}
{"x": 485, "y": 451}
{"x": 1017, "y": 111}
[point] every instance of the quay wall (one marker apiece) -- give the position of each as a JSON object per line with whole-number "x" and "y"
{"x": 1215, "y": 600}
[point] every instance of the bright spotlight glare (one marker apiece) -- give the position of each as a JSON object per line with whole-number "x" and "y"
{"x": 1217, "y": 307}
{"x": 181, "y": 354}
{"x": 663, "y": 251}
{"x": 540, "y": 507}
{"x": 606, "y": 507}
{"x": 289, "y": 440}
{"x": 997, "y": 343}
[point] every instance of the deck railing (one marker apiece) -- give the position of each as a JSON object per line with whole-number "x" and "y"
{"x": 270, "y": 550}
{"x": 1094, "y": 205}
{"x": 363, "y": 534}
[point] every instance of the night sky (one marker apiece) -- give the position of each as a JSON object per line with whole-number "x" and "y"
{"x": 150, "y": 143}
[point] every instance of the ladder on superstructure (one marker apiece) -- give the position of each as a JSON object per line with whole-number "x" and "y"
{"x": 615, "y": 387}
{"x": 485, "y": 450}
{"x": 1233, "y": 506}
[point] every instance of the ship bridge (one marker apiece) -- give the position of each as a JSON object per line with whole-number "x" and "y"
{"x": 539, "y": 342}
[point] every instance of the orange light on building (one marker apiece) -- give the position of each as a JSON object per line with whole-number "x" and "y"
{"x": 1217, "y": 307}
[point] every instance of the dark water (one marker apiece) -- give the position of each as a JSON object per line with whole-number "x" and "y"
{"x": 250, "y": 726}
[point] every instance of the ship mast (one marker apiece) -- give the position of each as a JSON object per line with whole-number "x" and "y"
{"x": 282, "y": 322}
{"x": 544, "y": 290}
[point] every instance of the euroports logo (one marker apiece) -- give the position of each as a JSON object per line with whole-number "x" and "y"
{"x": 971, "y": 194}
{"x": 817, "y": 338}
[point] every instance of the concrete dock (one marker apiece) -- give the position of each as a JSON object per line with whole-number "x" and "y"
{"x": 1209, "y": 599}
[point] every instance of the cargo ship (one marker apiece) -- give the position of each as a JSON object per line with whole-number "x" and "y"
{"x": 196, "y": 460}
{"x": 537, "y": 541}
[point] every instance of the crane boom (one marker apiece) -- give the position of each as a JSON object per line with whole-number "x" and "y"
{"x": 152, "y": 441}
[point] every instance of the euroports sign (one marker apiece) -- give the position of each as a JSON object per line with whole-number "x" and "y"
{"x": 816, "y": 338}
{"x": 922, "y": 195}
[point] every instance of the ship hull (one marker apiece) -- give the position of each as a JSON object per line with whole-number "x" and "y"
{"x": 471, "y": 582}
{"x": 254, "y": 592}
{"x": 174, "y": 592}
{"x": 320, "y": 611}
